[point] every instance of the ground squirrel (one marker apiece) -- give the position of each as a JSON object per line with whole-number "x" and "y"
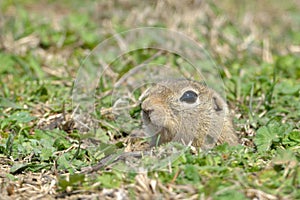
{"x": 186, "y": 111}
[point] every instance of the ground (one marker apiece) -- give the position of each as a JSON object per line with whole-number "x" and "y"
{"x": 45, "y": 154}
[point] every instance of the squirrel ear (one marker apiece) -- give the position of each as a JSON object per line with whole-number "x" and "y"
{"x": 217, "y": 104}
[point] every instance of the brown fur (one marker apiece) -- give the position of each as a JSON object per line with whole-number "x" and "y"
{"x": 203, "y": 123}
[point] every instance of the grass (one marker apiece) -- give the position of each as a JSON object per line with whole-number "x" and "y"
{"x": 41, "y": 152}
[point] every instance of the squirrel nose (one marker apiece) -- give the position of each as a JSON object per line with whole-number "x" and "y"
{"x": 148, "y": 111}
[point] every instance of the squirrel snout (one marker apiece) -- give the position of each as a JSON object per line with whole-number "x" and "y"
{"x": 153, "y": 112}
{"x": 148, "y": 111}
{"x": 147, "y": 106}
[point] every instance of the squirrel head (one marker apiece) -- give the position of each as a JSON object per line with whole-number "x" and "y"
{"x": 181, "y": 110}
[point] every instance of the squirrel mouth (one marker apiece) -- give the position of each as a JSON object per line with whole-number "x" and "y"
{"x": 152, "y": 120}
{"x": 155, "y": 126}
{"x": 146, "y": 117}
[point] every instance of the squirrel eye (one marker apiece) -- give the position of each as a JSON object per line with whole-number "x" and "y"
{"x": 189, "y": 97}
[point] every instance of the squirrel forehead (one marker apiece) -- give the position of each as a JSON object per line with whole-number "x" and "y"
{"x": 178, "y": 86}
